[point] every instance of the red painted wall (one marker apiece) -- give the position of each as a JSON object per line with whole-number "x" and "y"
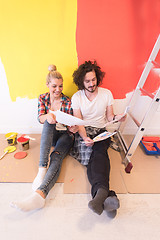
{"x": 120, "y": 35}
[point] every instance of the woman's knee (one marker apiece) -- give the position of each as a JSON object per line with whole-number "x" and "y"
{"x": 48, "y": 125}
{"x": 69, "y": 139}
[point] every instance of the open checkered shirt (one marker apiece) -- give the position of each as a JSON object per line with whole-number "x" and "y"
{"x": 44, "y": 104}
{"x": 80, "y": 151}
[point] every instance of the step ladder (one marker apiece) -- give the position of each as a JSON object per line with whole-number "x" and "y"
{"x": 128, "y": 151}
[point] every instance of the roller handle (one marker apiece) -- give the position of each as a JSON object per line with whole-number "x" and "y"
{"x": 4, "y": 154}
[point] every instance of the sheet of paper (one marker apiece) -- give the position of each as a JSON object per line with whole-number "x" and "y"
{"x": 67, "y": 119}
{"x": 103, "y": 136}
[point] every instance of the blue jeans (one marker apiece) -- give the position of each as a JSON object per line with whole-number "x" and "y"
{"x": 62, "y": 142}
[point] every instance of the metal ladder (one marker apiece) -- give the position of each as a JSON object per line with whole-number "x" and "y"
{"x": 128, "y": 151}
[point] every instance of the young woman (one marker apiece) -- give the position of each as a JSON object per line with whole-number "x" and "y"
{"x": 53, "y": 134}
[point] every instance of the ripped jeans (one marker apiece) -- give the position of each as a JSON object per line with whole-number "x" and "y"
{"x": 62, "y": 142}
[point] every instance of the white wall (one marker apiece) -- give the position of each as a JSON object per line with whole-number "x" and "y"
{"x": 21, "y": 116}
{"x": 139, "y": 111}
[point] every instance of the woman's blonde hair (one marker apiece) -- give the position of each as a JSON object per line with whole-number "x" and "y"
{"x": 53, "y": 73}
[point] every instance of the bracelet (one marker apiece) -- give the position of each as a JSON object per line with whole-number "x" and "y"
{"x": 114, "y": 117}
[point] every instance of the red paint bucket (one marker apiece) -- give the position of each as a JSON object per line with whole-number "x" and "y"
{"x": 23, "y": 143}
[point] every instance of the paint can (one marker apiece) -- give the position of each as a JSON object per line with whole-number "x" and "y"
{"x": 23, "y": 143}
{"x": 11, "y": 138}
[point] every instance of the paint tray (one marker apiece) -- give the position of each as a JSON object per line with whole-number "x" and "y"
{"x": 151, "y": 145}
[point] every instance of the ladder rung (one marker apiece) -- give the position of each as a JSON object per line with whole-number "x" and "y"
{"x": 147, "y": 93}
{"x": 134, "y": 119}
{"x": 156, "y": 64}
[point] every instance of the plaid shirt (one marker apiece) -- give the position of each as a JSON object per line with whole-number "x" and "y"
{"x": 79, "y": 150}
{"x": 44, "y": 104}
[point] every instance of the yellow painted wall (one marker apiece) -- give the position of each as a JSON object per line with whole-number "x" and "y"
{"x": 34, "y": 34}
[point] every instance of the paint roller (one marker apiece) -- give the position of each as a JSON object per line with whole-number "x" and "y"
{"x": 151, "y": 141}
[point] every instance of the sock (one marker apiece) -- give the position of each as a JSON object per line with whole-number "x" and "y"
{"x": 33, "y": 202}
{"x": 39, "y": 178}
{"x": 111, "y": 204}
{"x": 112, "y": 214}
{"x": 96, "y": 204}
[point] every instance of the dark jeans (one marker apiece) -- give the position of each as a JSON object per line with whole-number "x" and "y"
{"x": 98, "y": 168}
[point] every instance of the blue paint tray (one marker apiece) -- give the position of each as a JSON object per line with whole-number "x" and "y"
{"x": 151, "y": 148}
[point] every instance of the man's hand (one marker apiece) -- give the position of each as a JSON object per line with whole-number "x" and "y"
{"x": 88, "y": 141}
{"x": 120, "y": 118}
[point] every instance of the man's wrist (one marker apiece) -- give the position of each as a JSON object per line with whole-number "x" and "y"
{"x": 114, "y": 117}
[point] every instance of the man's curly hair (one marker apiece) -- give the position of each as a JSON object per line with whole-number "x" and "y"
{"x": 80, "y": 72}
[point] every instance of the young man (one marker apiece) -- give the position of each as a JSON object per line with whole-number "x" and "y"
{"x": 95, "y": 105}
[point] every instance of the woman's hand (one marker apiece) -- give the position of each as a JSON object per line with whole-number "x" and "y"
{"x": 73, "y": 129}
{"x": 88, "y": 141}
{"x": 51, "y": 118}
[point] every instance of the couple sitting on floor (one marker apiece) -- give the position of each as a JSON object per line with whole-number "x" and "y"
{"x": 91, "y": 103}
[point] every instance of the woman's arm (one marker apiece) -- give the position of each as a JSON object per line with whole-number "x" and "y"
{"x": 42, "y": 115}
{"x": 50, "y": 117}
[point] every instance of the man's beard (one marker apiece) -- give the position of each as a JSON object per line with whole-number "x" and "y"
{"x": 91, "y": 89}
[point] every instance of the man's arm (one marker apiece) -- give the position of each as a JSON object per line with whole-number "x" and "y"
{"x": 111, "y": 116}
{"x": 109, "y": 113}
{"x": 82, "y": 132}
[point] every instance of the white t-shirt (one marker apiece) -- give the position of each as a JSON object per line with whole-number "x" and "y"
{"x": 93, "y": 111}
